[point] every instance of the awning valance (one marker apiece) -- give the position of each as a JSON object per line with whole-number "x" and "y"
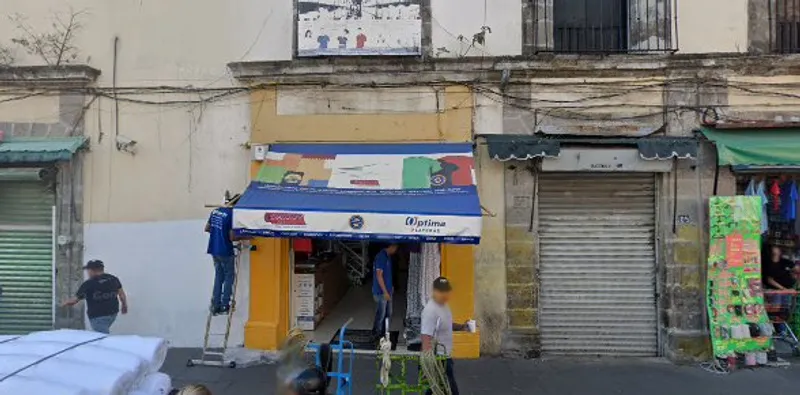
{"x": 523, "y": 147}
{"x": 40, "y": 150}
{"x": 667, "y": 148}
{"x": 756, "y": 147}
{"x": 387, "y": 192}
{"x": 505, "y": 147}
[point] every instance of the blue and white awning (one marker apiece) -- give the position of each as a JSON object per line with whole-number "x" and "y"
{"x": 386, "y": 192}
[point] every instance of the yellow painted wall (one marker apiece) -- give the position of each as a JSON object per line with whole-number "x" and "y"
{"x": 452, "y": 122}
{"x": 270, "y": 268}
{"x": 458, "y": 265}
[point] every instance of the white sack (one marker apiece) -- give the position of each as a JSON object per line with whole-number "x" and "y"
{"x": 71, "y": 336}
{"x": 152, "y": 350}
{"x": 156, "y": 384}
{"x": 95, "y": 378}
{"x": 88, "y": 353}
{"x": 26, "y": 386}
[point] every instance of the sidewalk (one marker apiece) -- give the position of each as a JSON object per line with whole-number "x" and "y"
{"x": 535, "y": 377}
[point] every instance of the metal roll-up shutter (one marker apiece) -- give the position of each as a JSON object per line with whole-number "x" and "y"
{"x": 26, "y": 256}
{"x": 597, "y": 264}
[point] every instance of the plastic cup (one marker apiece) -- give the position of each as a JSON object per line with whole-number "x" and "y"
{"x": 472, "y": 326}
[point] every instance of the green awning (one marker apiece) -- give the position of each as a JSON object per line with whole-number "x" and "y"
{"x": 756, "y": 147}
{"x": 40, "y": 150}
{"x": 505, "y": 147}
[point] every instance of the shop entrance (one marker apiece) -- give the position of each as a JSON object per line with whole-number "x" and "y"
{"x": 332, "y": 283}
{"x": 597, "y": 264}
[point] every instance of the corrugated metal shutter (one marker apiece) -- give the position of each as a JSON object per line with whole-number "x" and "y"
{"x": 26, "y": 256}
{"x": 597, "y": 264}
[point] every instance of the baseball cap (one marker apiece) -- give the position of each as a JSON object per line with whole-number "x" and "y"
{"x": 94, "y": 264}
{"x": 442, "y": 284}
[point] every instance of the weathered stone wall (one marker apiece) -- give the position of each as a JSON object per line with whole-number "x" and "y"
{"x": 680, "y": 101}
{"x": 69, "y": 193}
{"x": 522, "y": 339}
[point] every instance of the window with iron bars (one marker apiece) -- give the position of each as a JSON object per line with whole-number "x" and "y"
{"x": 604, "y": 26}
{"x": 784, "y": 16}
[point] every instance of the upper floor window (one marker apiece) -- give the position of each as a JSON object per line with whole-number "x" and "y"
{"x": 603, "y": 26}
{"x": 785, "y": 25}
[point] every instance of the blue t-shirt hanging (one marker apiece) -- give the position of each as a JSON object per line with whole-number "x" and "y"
{"x": 220, "y": 224}
{"x": 789, "y": 200}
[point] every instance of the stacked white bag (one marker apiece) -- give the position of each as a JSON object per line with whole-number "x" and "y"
{"x": 91, "y": 365}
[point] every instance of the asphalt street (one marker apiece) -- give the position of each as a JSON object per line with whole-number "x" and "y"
{"x": 539, "y": 377}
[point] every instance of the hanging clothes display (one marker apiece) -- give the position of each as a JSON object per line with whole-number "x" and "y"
{"x": 789, "y": 201}
{"x": 424, "y": 267}
{"x": 759, "y": 189}
{"x": 775, "y": 194}
{"x": 414, "y": 302}
{"x": 431, "y": 270}
{"x": 797, "y": 211}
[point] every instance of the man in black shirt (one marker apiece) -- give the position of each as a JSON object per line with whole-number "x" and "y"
{"x": 103, "y": 293}
{"x": 778, "y": 272}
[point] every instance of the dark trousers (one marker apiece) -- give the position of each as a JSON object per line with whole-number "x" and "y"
{"x": 450, "y": 378}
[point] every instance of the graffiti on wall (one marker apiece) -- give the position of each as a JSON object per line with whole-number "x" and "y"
{"x": 358, "y": 27}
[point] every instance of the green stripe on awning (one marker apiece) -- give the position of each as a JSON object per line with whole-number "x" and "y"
{"x": 40, "y": 150}
{"x": 758, "y": 147}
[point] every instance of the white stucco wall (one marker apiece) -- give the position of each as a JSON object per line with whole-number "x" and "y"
{"x": 708, "y": 26}
{"x": 454, "y": 18}
{"x": 168, "y": 278}
{"x": 143, "y": 213}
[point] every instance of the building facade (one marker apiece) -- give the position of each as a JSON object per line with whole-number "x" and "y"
{"x": 561, "y": 102}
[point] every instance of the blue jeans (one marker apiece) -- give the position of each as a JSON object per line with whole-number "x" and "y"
{"x": 383, "y": 310}
{"x": 224, "y": 269}
{"x": 102, "y": 324}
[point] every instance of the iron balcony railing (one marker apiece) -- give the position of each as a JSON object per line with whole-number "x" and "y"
{"x": 604, "y": 26}
{"x": 784, "y": 16}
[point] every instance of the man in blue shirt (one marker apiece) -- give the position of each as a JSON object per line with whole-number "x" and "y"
{"x": 382, "y": 289}
{"x": 220, "y": 247}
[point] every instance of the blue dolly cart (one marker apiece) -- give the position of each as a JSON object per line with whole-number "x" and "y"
{"x": 345, "y": 353}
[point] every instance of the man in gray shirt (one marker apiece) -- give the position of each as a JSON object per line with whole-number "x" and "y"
{"x": 438, "y": 327}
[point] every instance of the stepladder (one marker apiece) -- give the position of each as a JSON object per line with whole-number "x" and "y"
{"x": 218, "y": 327}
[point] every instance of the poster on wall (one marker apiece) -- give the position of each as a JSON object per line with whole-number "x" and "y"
{"x": 358, "y": 27}
{"x": 737, "y": 318}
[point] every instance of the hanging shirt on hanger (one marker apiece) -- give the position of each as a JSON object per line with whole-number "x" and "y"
{"x": 797, "y": 212}
{"x": 789, "y": 200}
{"x": 758, "y": 189}
{"x": 775, "y": 193}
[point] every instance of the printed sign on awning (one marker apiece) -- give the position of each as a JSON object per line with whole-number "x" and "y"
{"x": 388, "y": 192}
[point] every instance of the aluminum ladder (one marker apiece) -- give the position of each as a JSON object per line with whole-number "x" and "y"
{"x": 215, "y": 356}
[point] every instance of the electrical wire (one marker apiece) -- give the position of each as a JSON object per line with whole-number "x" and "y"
{"x": 558, "y": 108}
